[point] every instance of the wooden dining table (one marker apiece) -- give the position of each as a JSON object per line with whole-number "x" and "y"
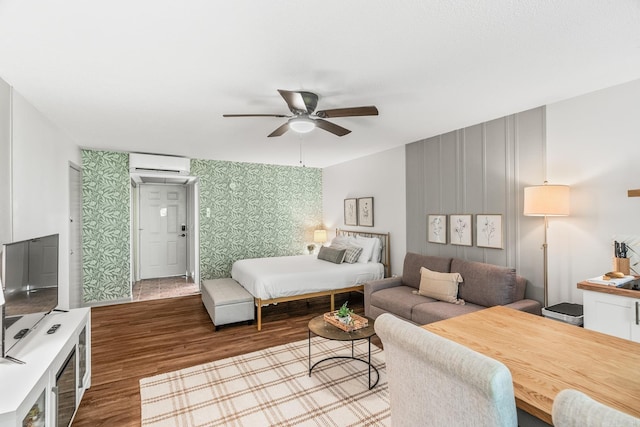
{"x": 546, "y": 356}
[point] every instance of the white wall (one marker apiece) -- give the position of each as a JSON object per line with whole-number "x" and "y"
{"x": 5, "y": 162}
{"x": 40, "y": 160}
{"x": 381, "y": 176}
{"x": 593, "y": 145}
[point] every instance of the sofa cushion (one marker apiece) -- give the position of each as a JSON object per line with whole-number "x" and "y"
{"x": 521, "y": 287}
{"x": 485, "y": 284}
{"x": 398, "y": 300}
{"x": 413, "y": 262}
{"x": 429, "y": 312}
{"x": 440, "y": 286}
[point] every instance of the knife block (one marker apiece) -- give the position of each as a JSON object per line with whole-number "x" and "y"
{"x": 622, "y": 265}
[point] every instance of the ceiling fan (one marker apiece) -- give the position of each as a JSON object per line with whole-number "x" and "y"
{"x": 303, "y": 119}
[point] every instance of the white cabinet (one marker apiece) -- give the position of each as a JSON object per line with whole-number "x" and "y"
{"x": 46, "y": 390}
{"x": 615, "y": 315}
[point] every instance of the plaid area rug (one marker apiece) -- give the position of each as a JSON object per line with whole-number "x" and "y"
{"x": 272, "y": 387}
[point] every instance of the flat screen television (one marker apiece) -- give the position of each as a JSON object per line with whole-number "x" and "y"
{"x": 30, "y": 282}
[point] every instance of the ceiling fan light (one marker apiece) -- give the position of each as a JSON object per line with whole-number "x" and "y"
{"x": 301, "y": 124}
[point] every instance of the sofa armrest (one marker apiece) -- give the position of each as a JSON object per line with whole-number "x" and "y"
{"x": 376, "y": 285}
{"x": 528, "y": 305}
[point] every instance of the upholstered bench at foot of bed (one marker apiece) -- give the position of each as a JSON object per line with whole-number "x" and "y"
{"x": 227, "y": 302}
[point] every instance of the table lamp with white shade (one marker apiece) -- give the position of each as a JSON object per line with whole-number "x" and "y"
{"x": 319, "y": 236}
{"x": 546, "y": 200}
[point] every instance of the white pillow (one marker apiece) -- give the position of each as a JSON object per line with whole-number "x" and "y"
{"x": 376, "y": 252}
{"x": 367, "y": 248}
{"x": 343, "y": 240}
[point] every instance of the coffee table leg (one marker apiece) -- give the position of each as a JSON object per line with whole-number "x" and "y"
{"x": 369, "y": 360}
{"x": 309, "y": 352}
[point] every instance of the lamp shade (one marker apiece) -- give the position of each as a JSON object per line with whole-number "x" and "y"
{"x": 320, "y": 236}
{"x": 301, "y": 124}
{"x": 546, "y": 200}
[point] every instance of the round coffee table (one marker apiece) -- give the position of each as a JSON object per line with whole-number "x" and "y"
{"x": 319, "y": 327}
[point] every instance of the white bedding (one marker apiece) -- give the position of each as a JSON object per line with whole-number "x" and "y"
{"x": 286, "y": 276}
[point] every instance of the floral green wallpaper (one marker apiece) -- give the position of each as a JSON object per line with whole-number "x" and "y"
{"x": 105, "y": 225}
{"x": 253, "y": 210}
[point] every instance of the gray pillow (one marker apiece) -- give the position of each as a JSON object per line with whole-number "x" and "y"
{"x": 335, "y": 256}
{"x": 485, "y": 284}
{"x": 352, "y": 252}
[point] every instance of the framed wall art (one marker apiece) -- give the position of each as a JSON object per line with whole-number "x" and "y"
{"x": 489, "y": 231}
{"x": 350, "y": 212}
{"x": 460, "y": 232}
{"x": 437, "y": 229}
{"x": 365, "y": 211}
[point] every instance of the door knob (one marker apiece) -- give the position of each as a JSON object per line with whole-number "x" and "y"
{"x": 182, "y": 235}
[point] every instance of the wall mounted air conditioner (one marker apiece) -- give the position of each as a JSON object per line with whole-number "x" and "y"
{"x": 153, "y": 163}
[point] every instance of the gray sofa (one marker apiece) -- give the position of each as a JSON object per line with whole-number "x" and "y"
{"x": 484, "y": 285}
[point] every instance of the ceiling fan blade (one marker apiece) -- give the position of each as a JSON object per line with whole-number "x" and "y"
{"x": 348, "y": 112}
{"x": 300, "y": 102}
{"x": 331, "y": 127}
{"x": 281, "y": 130}
{"x": 254, "y": 115}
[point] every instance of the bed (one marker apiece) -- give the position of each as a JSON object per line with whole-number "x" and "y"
{"x": 289, "y": 278}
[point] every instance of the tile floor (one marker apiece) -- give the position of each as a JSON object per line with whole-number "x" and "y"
{"x": 164, "y": 287}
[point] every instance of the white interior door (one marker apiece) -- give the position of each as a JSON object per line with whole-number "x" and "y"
{"x": 75, "y": 237}
{"x": 163, "y": 235}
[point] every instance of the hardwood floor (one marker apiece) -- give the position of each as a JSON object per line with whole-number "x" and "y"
{"x": 141, "y": 339}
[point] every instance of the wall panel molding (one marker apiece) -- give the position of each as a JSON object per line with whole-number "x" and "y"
{"x": 480, "y": 169}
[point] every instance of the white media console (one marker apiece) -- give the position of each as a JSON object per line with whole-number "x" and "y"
{"x": 46, "y": 390}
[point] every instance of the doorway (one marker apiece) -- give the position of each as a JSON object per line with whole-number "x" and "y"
{"x": 163, "y": 231}
{"x": 75, "y": 236}
{"x": 164, "y": 239}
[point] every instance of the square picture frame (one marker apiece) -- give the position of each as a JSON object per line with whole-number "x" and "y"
{"x": 365, "y": 211}
{"x": 437, "y": 229}
{"x": 461, "y": 230}
{"x": 489, "y": 231}
{"x": 350, "y": 212}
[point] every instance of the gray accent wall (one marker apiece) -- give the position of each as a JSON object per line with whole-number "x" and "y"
{"x": 481, "y": 169}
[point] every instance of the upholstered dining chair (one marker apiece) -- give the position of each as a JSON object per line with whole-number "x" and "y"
{"x": 436, "y": 382}
{"x": 572, "y": 408}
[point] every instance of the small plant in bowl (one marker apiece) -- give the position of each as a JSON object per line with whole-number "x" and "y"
{"x": 344, "y": 313}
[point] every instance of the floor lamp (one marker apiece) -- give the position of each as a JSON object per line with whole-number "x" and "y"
{"x": 546, "y": 200}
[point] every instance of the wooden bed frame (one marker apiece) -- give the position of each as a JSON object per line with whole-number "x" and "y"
{"x": 385, "y": 260}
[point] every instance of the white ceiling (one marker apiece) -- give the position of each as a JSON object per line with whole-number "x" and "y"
{"x": 156, "y": 75}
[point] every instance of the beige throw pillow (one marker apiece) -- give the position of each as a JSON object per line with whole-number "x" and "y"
{"x": 440, "y": 286}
